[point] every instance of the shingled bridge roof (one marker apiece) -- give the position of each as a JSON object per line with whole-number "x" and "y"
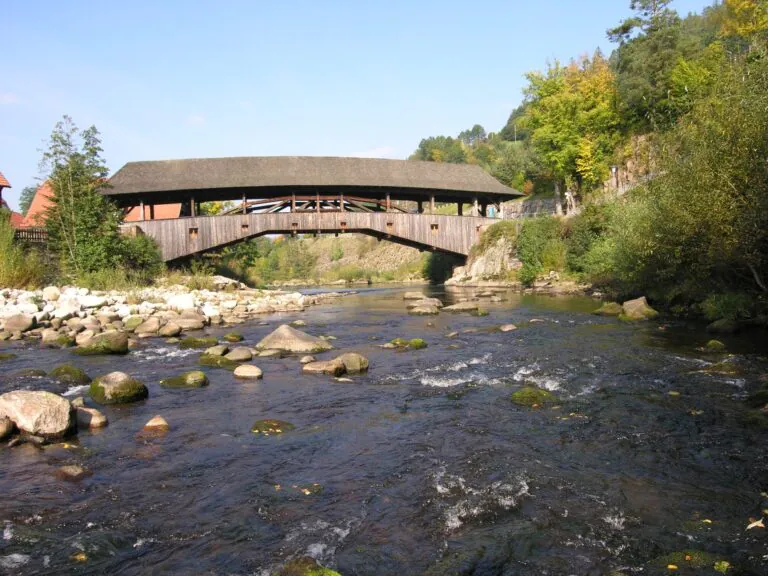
{"x": 272, "y": 176}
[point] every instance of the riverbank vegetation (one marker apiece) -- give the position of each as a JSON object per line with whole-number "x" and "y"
{"x": 680, "y": 106}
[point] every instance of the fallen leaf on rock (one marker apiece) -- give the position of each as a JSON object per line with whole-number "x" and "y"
{"x": 756, "y": 524}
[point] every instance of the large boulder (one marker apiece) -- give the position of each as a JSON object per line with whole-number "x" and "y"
{"x": 637, "y": 309}
{"x": 239, "y": 354}
{"x": 462, "y": 307}
{"x": 39, "y": 413}
{"x": 117, "y": 388}
{"x": 289, "y": 339}
{"x": 248, "y": 372}
{"x": 333, "y": 367}
{"x": 19, "y": 323}
{"x": 218, "y": 350}
{"x": 111, "y": 342}
{"x": 353, "y": 362}
{"x": 150, "y": 326}
{"x": 169, "y": 330}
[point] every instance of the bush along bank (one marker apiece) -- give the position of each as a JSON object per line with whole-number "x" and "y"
{"x": 598, "y": 252}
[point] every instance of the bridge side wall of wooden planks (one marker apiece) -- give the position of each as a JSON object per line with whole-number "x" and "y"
{"x": 182, "y": 237}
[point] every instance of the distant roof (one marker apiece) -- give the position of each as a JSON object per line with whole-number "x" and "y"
{"x": 218, "y": 178}
{"x": 41, "y": 201}
{"x": 4, "y": 182}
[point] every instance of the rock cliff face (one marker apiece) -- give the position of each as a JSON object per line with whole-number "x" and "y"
{"x": 494, "y": 263}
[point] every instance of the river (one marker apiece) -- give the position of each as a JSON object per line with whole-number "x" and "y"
{"x": 421, "y": 466}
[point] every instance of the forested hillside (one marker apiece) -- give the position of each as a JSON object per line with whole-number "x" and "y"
{"x": 685, "y": 101}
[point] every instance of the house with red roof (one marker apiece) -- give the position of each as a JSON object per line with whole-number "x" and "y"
{"x": 38, "y": 209}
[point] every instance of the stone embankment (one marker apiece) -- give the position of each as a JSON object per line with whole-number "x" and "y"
{"x": 100, "y": 322}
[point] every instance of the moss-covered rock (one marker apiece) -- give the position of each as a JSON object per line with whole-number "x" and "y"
{"x": 714, "y": 346}
{"x": 31, "y": 373}
{"x": 7, "y": 356}
{"x": 686, "y": 560}
{"x": 69, "y": 374}
{"x": 480, "y": 312}
{"x": 193, "y": 379}
{"x": 117, "y": 388}
{"x": 306, "y": 567}
{"x": 233, "y": 337}
{"x": 416, "y": 344}
{"x": 133, "y": 322}
{"x": 217, "y": 362}
{"x": 270, "y": 426}
{"x": 191, "y": 342}
{"x": 105, "y": 343}
{"x": 400, "y": 342}
{"x": 724, "y": 368}
{"x": 533, "y": 396}
{"x": 609, "y": 309}
{"x": 637, "y": 309}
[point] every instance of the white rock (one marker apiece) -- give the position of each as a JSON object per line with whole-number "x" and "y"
{"x": 248, "y": 371}
{"x": 181, "y": 302}
{"x": 39, "y": 413}
{"x": 51, "y": 293}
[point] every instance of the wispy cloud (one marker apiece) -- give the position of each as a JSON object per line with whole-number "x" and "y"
{"x": 195, "y": 120}
{"x": 380, "y": 152}
{"x": 8, "y": 98}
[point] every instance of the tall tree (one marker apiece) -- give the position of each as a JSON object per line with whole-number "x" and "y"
{"x": 82, "y": 224}
{"x": 571, "y": 112}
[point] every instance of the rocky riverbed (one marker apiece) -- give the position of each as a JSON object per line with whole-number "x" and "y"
{"x": 506, "y": 434}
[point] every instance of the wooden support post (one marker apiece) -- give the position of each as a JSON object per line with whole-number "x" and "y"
{"x": 388, "y": 203}
{"x": 484, "y": 209}
{"x": 341, "y": 201}
{"x": 293, "y": 202}
{"x": 461, "y": 209}
{"x": 141, "y": 207}
{"x": 317, "y": 202}
{"x": 151, "y": 211}
{"x": 420, "y": 207}
{"x": 244, "y": 205}
{"x": 192, "y": 210}
{"x": 431, "y": 203}
{"x": 475, "y": 208}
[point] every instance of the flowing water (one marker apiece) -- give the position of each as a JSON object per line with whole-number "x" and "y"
{"x": 422, "y": 466}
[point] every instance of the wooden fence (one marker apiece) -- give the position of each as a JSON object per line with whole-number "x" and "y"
{"x": 32, "y": 235}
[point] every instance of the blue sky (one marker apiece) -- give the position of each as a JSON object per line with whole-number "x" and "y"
{"x": 175, "y": 79}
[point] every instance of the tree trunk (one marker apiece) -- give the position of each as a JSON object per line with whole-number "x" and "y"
{"x": 558, "y": 199}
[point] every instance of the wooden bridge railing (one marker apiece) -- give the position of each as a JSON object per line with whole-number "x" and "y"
{"x": 32, "y": 235}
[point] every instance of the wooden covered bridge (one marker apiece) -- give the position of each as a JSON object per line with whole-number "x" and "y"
{"x": 391, "y": 199}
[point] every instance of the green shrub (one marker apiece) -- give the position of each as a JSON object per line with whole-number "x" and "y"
{"x": 19, "y": 267}
{"x": 141, "y": 255}
{"x": 730, "y": 305}
{"x": 582, "y": 231}
{"x": 337, "y": 252}
{"x": 540, "y": 247}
